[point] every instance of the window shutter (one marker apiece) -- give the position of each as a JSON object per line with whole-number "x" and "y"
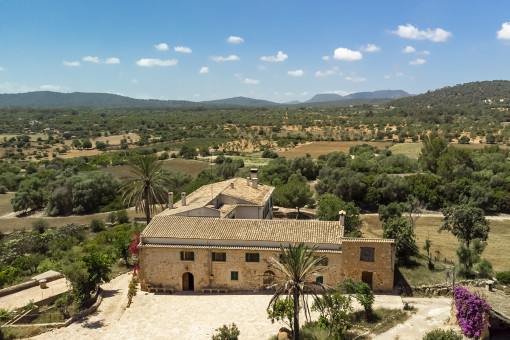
{"x": 319, "y": 279}
{"x": 257, "y": 257}
{"x": 213, "y": 257}
{"x": 182, "y": 255}
{"x": 224, "y": 257}
{"x": 247, "y": 257}
{"x": 192, "y": 256}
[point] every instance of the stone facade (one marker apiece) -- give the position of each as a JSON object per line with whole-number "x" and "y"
{"x": 377, "y": 270}
{"x": 167, "y": 269}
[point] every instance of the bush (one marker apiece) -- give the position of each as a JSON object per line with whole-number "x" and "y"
{"x": 96, "y": 225}
{"x": 472, "y": 312}
{"x": 40, "y": 225}
{"x": 269, "y": 154}
{"x": 484, "y": 268}
{"x": 122, "y": 216}
{"x": 227, "y": 333}
{"x": 503, "y": 277}
{"x": 441, "y": 334}
{"x": 3, "y": 189}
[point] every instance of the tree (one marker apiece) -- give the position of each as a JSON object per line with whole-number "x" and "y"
{"x": 330, "y": 206}
{"x": 334, "y": 310}
{"x": 122, "y": 244}
{"x": 433, "y": 147}
{"x": 87, "y": 144}
{"x": 299, "y": 266}
{"x": 399, "y": 229}
{"x": 294, "y": 194}
{"x": 363, "y": 294}
{"x": 464, "y": 140}
{"x": 466, "y": 223}
{"x": 148, "y": 187}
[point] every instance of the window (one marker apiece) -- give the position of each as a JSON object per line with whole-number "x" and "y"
{"x": 324, "y": 260}
{"x": 187, "y": 256}
{"x": 252, "y": 257}
{"x": 234, "y": 276}
{"x": 319, "y": 279}
{"x": 219, "y": 257}
{"x": 367, "y": 254}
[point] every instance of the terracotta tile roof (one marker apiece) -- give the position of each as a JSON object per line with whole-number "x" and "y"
{"x": 206, "y": 194}
{"x": 203, "y": 228}
{"x": 368, "y": 240}
{"x": 181, "y": 246}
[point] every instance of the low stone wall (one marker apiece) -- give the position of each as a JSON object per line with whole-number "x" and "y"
{"x": 17, "y": 288}
{"x": 444, "y": 289}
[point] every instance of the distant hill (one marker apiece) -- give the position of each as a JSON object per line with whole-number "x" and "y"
{"x": 239, "y": 101}
{"x": 349, "y": 102}
{"x": 468, "y": 93}
{"x": 383, "y": 94}
{"x": 47, "y": 99}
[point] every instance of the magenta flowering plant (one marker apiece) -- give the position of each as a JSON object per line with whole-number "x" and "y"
{"x": 472, "y": 312}
{"x": 135, "y": 241}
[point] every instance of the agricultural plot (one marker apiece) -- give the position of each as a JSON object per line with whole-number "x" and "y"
{"x": 315, "y": 149}
{"x": 187, "y": 166}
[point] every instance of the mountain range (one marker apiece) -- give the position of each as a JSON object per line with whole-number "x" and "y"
{"x": 48, "y": 99}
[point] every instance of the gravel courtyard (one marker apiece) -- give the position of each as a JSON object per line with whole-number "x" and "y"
{"x": 196, "y": 316}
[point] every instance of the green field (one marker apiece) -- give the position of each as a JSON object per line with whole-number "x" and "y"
{"x": 411, "y": 150}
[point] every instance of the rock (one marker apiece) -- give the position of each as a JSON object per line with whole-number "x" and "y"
{"x": 284, "y": 334}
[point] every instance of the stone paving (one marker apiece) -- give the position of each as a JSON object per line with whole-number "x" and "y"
{"x": 23, "y": 297}
{"x": 196, "y": 316}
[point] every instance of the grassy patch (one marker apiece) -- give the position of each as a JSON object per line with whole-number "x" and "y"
{"x": 421, "y": 275}
{"x": 411, "y": 150}
{"x": 5, "y": 203}
{"x": 380, "y": 321}
{"x": 315, "y": 149}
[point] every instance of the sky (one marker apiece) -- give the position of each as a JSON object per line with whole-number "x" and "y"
{"x": 278, "y": 50}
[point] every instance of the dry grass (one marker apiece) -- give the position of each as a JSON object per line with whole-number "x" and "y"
{"x": 5, "y": 203}
{"x": 446, "y": 243}
{"x": 411, "y": 150}
{"x": 315, "y": 149}
{"x": 476, "y": 145}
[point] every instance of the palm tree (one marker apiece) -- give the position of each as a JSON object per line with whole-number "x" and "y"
{"x": 147, "y": 187}
{"x": 299, "y": 267}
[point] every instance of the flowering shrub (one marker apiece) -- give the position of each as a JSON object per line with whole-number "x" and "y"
{"x": 133, "y": 249}
{"x": 472, "y": 312}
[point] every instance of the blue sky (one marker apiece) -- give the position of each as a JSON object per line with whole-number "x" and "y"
{"x": 275, "y": 50}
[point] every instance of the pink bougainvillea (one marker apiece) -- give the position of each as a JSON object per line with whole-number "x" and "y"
{"x": 133, "y": 249}
{"x": 472, "y": 312}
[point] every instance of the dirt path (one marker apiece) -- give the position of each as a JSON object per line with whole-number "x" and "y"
{"x": 23, "y": 297}
{"x": 97, "y": 325}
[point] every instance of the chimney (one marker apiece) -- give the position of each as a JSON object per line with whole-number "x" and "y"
{"x": 254, "y": 173}
{"x": 248, "y": 181}
{"x": 255, "y": 183}
{"x": 342, "y": 217}
{"x": 232, "y": 185}
{"x": 170, "y": 200}
{"x": 183, "y": 199}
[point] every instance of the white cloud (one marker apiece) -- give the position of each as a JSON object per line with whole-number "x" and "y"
{"x": 409, "y": 49}
{"x": 326, "y": 57}
{"x": 370, "y": 48}
{"x": 134, "y": 81}
{"x": 356, "y": 79}
{"x": 161, "y": 47}
{"x": 296, "y": 73}
{"x": 91, "y": 59}
{"x": 418, "y": 61}
{"x": 251, "y": 81}
{"x": 425, "y": 52}
{"x": 399, "y": 74}
{"x": 289, "y": 94}
{"x": 1, "y": 69}
{"x": 340, "y": 92}
{"x": 50, "y": 87}
{"x": 262, "y": 67}
{"x": 346, "y": 54}
{"x": 504, "y": 32}
{"x": 96, "y": 60}
{"x": 146, "y": 62}
{"x": 327, "y": 72}
{"x": 182, "y": 49}
{"x": 204, "y": 70}
{"x": 229, "y": 58}
{"x": 411, "y": 32}
{"x": 304, "y": 93}
{"x": 387, "y": 76}
{"x": 112, "y": 61}
{"x": 71, "y": 63}
{"x": 278, "y": 58}
{"x": 235, "y": 40}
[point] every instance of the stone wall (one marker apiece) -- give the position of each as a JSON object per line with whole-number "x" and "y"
{"x": 164, "y": 267}
{"x": 382, "y": 267}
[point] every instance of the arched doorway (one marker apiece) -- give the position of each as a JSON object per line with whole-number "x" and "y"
{"x": 188, "y": 282}
{"x": 268, "y": 279}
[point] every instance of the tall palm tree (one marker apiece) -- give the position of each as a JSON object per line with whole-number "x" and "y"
{"x": 299, "y": 267}
{"x": 147, "y": 187}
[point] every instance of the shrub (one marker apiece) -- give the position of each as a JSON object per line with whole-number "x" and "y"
{"x": 4, "y": 315}
{"x": 363, "y": 293}
{"x": 503, "y": 277}
{"x": 122, "y": 216}
{"x": 484, "y": 268}
{"x": 269, "y": 154}
{"x": 111, "y": 217}
{"x": 227, "y": 333}
{"x": 96, "y": 225}
{"x": 441, "y": 334}
{"x": 472, "y": 312}
{"x": 40, "y": 225}
{"x": 3, "y": 189}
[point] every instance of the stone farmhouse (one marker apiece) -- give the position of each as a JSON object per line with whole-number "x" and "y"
{"x": 220, "y": 237}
